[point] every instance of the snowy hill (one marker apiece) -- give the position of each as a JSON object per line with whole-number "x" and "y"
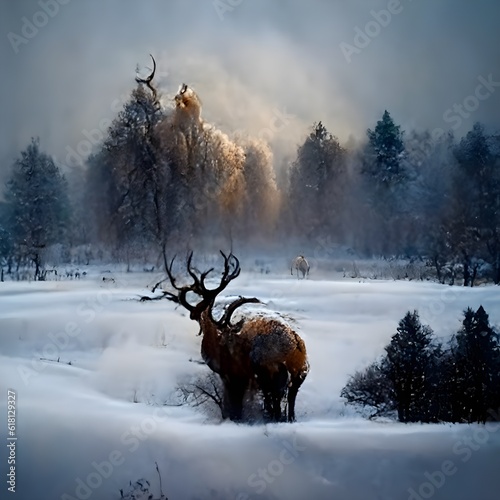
{"x": 96, "y": 374}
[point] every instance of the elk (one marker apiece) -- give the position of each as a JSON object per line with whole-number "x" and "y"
{"x": 257, "y": 350}
{"x": 301, "y": 265}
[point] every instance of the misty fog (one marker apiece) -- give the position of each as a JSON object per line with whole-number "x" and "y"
{"x": 246, "y": 62}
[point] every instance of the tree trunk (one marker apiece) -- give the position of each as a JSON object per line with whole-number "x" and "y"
{"x": 437, "y": 265}
{"x": 164, "y": 254}
{"x": 466, "y": 270}
{"x": 474, "y": 274}
{"x": 36, "y": 260}
{"x": 496, "y": 271}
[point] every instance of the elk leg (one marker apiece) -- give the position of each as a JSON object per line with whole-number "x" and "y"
{"x": 292, "y": 395}
{"x": 273, "y": 386}
{"x": 264, "y": 381}
{"x": 234, "y": 391}
{"x": 279, "y": 383}
{"x": 265, "y": 386}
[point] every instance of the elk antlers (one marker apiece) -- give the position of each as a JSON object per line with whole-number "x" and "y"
{"x": 231, "y": 271}
{"x": 149, "y": 79}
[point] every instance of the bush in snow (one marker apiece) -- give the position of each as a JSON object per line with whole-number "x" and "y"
{"x": 140, "y": 490}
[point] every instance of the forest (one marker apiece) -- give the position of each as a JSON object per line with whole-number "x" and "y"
{"x": 163, "y": 179}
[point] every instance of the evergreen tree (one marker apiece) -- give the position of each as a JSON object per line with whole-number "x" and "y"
{"x": 410, "y": 365}
{"x": 384, "y": 177}
{"x": 428, "y": 201}
{"x": 405, "y": 380}
{"x": 476, "y": 358}
{"x": 37, "y": 205}
{"x": 386, "y": 152}
{"x": 477, "y": 210}
{"x": 316, "y": 179}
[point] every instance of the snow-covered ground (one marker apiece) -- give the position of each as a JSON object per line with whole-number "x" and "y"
{"x": 97, "y": 419}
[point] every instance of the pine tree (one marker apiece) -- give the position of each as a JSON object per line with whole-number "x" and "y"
{"x": 477, "y": 211}
{"x": 316, "y": 179}
{"x": 385, "y": 178}
{"x": 386, "y": 152}
{"x": 405, "y": 380}
{"x": 476, "y": 358}
{"x": 37, "y": 205}
{"x": 410, "y": 365}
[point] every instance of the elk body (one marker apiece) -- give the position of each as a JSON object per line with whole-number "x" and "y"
{"x": 259, "y": 350}
{"x": 301, "y": 265}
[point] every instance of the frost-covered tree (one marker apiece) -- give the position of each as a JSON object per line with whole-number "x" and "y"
{"x": 384, "y": 176}
{"x": 263, "y": 197}
{"x": 165, "y": 178}
{"x": 477, "y": 204}
{"x": 429, "y": 199}
{"x": 128, "y": 180}
{"x": 315, "y": 191}
{"x": 37, "y": 207}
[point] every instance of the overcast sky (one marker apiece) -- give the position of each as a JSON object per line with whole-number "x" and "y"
{"x": 268, "y": 67}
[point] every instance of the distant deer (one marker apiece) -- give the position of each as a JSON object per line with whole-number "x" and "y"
{"x": 301, "y": 265}
{"x": 259, "y": 349}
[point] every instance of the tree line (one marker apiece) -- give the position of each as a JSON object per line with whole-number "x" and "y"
{"x": 163, "y": 179}
{"x": 420, "y": 380}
